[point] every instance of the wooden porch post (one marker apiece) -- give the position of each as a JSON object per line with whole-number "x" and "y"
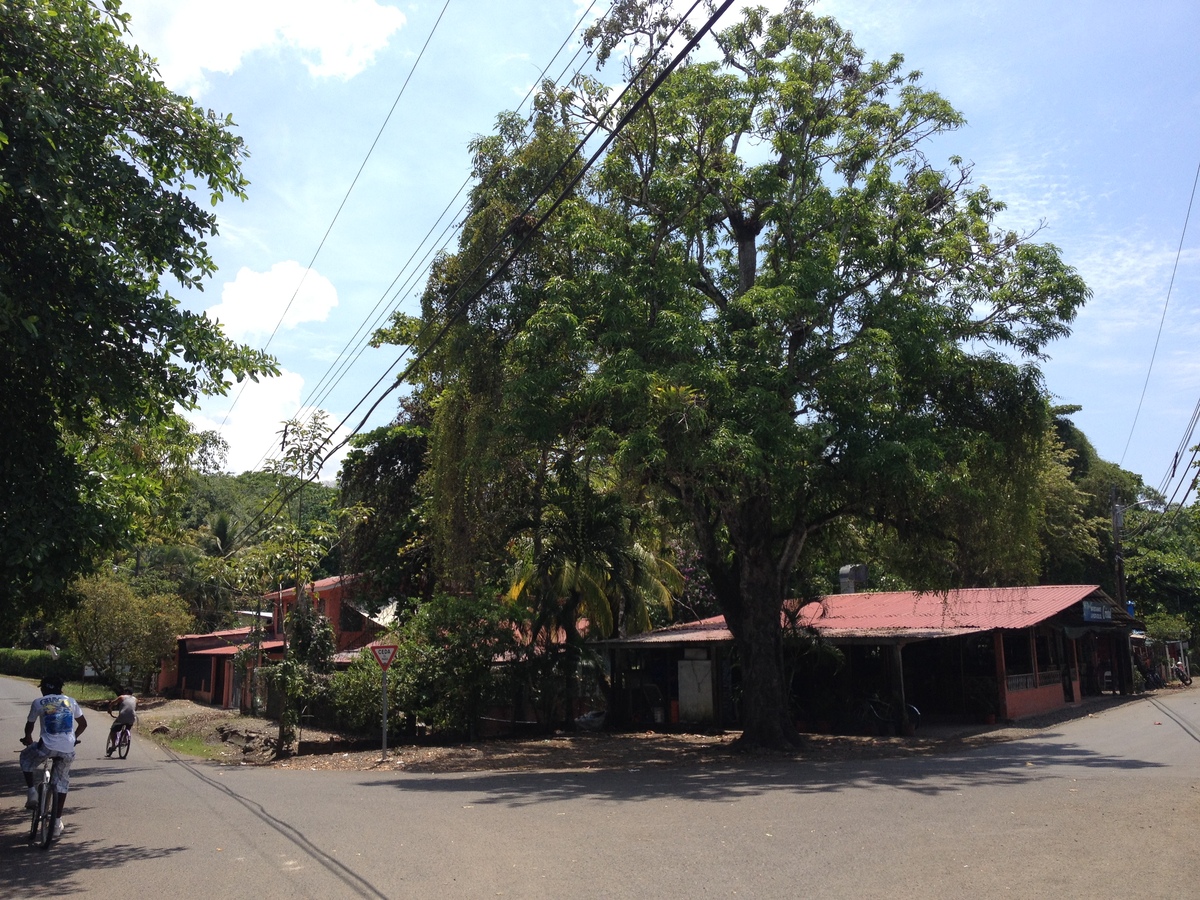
{"x": 1001, "y": 673}
{"x": 898, "y": 666}
{"x": 1076, "y": 674}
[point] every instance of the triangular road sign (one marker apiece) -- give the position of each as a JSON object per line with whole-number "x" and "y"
{"x": 385, "y": 653}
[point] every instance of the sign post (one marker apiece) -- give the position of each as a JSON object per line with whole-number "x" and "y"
{"x": 384, "y": 654}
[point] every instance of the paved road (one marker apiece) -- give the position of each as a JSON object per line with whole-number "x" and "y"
{"x": 1097, "y": 807}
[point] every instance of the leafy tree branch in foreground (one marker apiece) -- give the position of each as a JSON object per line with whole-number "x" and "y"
{"x": 107, "y": 180}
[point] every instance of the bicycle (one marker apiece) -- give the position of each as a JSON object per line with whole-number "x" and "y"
{"x": 120, "y": 740}
{"x": 41, "y": 829}
{"x": 876, "y": 716}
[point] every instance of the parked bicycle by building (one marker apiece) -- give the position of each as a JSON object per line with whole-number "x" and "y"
{"x": 876, "y": 716}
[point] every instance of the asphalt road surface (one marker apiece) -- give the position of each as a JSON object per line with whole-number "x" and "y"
{"x": 1104, "y": 806}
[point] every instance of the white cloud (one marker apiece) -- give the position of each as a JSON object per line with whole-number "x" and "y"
{"x": 251, "y": 418}
{"x": 254, "y": 302}
{"x": 334, "y": 38}
{"x": 1129, "y": 278}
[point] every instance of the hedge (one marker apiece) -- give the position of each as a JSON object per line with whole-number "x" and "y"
{"x": 39, "y": 663}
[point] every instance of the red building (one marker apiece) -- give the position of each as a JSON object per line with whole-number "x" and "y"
{"x": 203, "y": 668}
{"x": 1003, "y": 652}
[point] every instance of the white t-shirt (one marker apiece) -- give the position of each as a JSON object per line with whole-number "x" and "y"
{"x": 58, "y": 713}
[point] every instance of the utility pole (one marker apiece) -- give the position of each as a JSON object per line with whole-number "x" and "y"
{"x": 1118, "y": 522}
{"x": 1118, "y": 525}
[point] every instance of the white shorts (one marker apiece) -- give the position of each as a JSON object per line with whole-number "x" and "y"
{"x": 60, "y": 775}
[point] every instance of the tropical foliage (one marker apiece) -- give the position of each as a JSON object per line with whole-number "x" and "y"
{"x": 767, "y": 308}
{"x": 121, "y": 633}
{"x": 106, "y": 186}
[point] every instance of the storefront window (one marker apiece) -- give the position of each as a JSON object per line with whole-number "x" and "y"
{"x": 1018, "y": 657}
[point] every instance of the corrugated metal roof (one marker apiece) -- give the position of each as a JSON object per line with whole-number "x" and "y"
{"x": 906, "y": 615}
{"x": 316, "y": 587}
{"x": 953, "y": 612}
{"x": 706, "y": 631}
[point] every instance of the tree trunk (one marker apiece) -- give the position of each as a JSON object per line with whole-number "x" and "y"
{"x": 766, "y": 720}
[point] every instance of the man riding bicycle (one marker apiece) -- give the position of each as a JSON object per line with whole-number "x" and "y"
{"x": 126, "y": 707}
{"x": 62, "y": 722}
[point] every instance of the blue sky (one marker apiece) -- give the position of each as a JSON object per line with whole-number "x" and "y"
{"x": 1083, "y": 116}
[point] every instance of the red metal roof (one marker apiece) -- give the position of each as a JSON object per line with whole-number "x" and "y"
{"x": 903, "y": 614}
{"x": 706, "y": 631}
{"x": 229, "y": 632}
{"x": 941, "y": 614}
{"x": 317, "y": 587}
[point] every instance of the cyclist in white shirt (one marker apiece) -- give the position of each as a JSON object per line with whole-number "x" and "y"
{"x": 62, "y": 722}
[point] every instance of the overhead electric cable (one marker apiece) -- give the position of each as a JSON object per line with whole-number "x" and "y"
{"x": 1166, "y": 303}
{"x": 532, "y": 229}
{"x": 345, "y": 198}
{"x": 313, "y": 398}
{"x": 337, "y": 371}
{"x": 357, "y": 344}
{"x": 604, "y": 144}
{"x": 1184, "y": 444}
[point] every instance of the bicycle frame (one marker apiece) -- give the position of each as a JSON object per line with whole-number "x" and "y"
{"x": 875, "y": 715}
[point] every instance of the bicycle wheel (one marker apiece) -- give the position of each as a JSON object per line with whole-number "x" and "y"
{"x": 44, "y": 814}
{"x": 37, "y": 818}
{"x": 866, "y": 719}
{"x": 914, "y": 716}
{"x": 123, "y": 743}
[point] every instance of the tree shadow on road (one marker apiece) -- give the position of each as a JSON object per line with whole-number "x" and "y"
{"x": 31, "y": 872}
{"x": 1017, "y": 762}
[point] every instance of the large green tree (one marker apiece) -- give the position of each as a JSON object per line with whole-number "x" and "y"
{"x": 771, "y": 308}
{"x": 107, "y": 180}
{"x": 388, "y": 549}
{"x": 120, "y": 632}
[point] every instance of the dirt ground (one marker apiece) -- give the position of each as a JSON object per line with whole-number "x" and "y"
{"x": 230, "y": 738}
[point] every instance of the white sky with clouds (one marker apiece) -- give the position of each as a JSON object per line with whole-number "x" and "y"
{"x": 1083, "y": 116}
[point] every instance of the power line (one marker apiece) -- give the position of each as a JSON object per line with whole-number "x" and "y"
{"x": 313, "y": 398}
{"x": 532, "y": 230}
{"x": 536, "y": 226}
{"x": 342, "y": 205}
{"x": 1166, "y": 303}
{"x": 1184, "y": 444}
{"x": 356, "y": 345}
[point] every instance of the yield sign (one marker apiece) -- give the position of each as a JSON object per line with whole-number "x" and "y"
{"x": 385, "y": 654}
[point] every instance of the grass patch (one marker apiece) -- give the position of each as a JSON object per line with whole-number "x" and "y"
{"x": 190, "y": 737}
{"x": 86, "y": 692}
{"x": 189, "y": 745}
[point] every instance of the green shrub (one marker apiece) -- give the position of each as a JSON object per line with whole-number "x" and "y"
{"x": 38, "y": 664}
{"x": 357, "y": 694}
{"x": 443, "y": 675}
{"x": 445, "y": 667}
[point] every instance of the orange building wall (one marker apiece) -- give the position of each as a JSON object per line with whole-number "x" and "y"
{"x": 1035, "y": 701}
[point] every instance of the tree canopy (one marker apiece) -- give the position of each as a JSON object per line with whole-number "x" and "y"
{"x": 767, "y": 308}
{"x": 107, "y": 182}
